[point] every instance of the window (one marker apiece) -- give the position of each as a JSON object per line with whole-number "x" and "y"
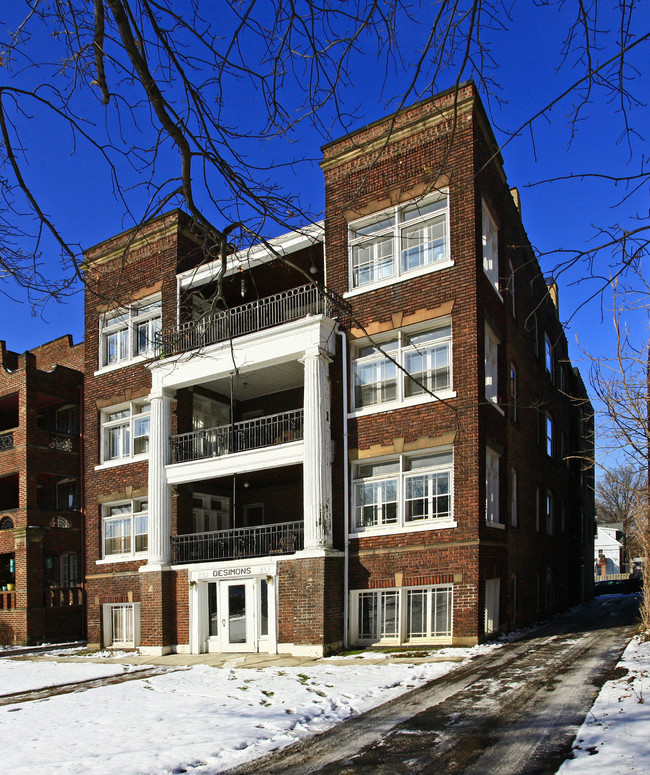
{"x": 549, "y": 513}
{"x": 66, "y": 420}
{"x": 548, "y": 355}
{"x": 424, "y": 354}
{"x": 399, "y": 241}
{"x": 492, "y": 487}
{"x": 124, "y": 528}
{"x": 513, "y": 391}
{"x": 514, "y": 498}
{"x": 121, "y": 624}
{"x": 490, "y": 248}
{"x": 549, "y": 435}
{"x": 491, "y": 365}
{"x": 68, "y": 569}
{"x": 125, "y": 431}
{"x": 404, "y": 492}
{"x": 67, "y": 495}
{"x": 405, "y": 615}
{"x": 131, "y": 332}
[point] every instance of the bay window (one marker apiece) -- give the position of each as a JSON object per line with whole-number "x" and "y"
{"x": 404, "y": 615}
{"x": 424, "y": 354}
{"x": 125, "y": 431}
{"x": 404, "y": 492}
{"x": 124, "y": 528}
{"x": 402, "y": 240}
{"x": 130, "y": 332}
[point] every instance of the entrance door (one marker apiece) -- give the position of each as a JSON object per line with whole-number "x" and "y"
{"x": 238, "y": 619}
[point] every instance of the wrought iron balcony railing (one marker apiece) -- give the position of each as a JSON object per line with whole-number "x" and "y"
{"x": 6, "y": 440}
{"x": 238, "y": 543}
{"x": 265, "y": 431}
{"x": 254, "y": 316}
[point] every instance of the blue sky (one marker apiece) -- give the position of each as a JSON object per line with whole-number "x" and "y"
{"x": 77, "y": 191}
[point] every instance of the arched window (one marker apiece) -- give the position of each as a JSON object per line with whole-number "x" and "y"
{"x": 6, "y": 523}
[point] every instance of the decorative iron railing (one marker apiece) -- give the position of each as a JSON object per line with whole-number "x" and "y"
{"x": 6, "y": 440}
{"x": 63, "y": 442}
{"x": 254, "y": 316}
{"x": 265, "y": 431}
{"x": 241, "y": 542}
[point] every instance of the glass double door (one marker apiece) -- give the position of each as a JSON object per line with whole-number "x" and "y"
{"x": 238, "y": 614}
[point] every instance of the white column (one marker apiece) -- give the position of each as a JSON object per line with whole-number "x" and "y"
{"x": 160, "y": 501}
{"x": 317, "y": 466}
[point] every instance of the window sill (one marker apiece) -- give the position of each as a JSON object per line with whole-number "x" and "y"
{"x": 121, "y": 462}
{"x": 446, "y": 264}
{"x": 391, "y": 406}
{"x": 123, "y": 364}
{"x": 385, "y": 530}
{"x": 117, "y": 558}
{"x": 491, "y": 402}
{"x": 497, "y": 525}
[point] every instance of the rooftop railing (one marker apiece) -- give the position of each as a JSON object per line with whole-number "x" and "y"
{"x": 253, "y": 316}
{"x": 241, "y": 542}
{"x": 265, "y": 431}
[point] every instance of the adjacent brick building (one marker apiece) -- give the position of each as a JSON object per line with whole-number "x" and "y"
{"x": 40, "y": 493}
{"x": 374, "y": 436}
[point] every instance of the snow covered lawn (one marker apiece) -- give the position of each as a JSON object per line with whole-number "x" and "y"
{"x": 25, "y": 675}
{"x": 615, "y": 737}
{"x": 200, "y": 719}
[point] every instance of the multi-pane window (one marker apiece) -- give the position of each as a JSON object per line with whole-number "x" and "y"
{"x": 548, "y": 355}
{"x": 549, "y": 435}
{"x": 67, "y": 495}
{"x": 124, "y": 528}
{"x": 66, "y": 419}
{"x": 125, "y": 431}
{"x": 491, "y": 365}
{"x": 405, "y": 615}
{"x": 399, "y": 241}
{"x": 426, "y": 355}
{"x": 492, "y": 486}
{"x": 210, "y": 513}
{"x": 490, "y": 247}
{"x": 130, "y": 332}
{"x": 121, "y": 624}
{"x": 403, "y": 492}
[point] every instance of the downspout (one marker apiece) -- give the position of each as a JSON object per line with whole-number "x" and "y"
{"x": 346, "y": 490}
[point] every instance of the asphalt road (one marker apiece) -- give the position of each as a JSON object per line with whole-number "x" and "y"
{"x": 514, "y": 711}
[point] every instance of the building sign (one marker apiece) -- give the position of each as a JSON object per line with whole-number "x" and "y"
{"x": 231, "y": 573}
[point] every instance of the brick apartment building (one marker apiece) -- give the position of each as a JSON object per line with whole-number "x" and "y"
{"x": 40, "y": 486}
{"x": 269, "y": 477}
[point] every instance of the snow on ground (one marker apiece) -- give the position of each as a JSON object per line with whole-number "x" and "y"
{"x": 615, "y": 737}
{"x": 200, "y": 719}
{"x": 25, "y": 675}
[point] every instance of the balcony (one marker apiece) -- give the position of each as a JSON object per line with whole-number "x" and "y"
{"x": 238, "y": 543}
{"x": 6, "y": 440}
{"x": 260, "y": 432}
{"x": 59, "y": 597}
{"x": 245, "y": 319}
{"x": 7, "y": 601}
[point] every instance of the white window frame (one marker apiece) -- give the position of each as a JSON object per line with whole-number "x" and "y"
{"x": 491, "y": 366}
{"x": 492, "y": 510}
{"x": 393, "y": 614}
{"x": 392, "y": 388}
{"x": 490, "y": 241}
{"x": 408, "y": 482}
{"x": 127, "y": 616}
{"x": 382, "y": 235}
{"x": 122, "y": 326}
{"x": 131, "y": 514}
{"x": 126, "y": 430}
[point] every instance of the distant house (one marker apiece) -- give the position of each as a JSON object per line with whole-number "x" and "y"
{"x": 608, "y": 550}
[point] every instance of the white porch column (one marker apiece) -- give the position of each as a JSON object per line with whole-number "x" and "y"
{"x": 160, "y": 501}
{"x": 317, "y": 467}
